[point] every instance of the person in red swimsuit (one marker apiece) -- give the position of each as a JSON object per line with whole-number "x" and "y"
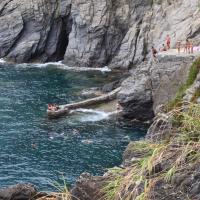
{"x": 168, "y": 42}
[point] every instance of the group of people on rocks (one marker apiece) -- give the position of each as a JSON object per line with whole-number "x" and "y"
{"x": 53, "y": 107}
{"x": 188, "y": 47}
{"x": 164, "y": 47}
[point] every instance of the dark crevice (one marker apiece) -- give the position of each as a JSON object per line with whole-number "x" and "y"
{"x": 136, "y": 42}
{"x": 63, "y": 40}
{"x": 4, "y": 6}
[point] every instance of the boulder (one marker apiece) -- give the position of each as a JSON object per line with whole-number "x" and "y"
{"x": 18, "y": 192}
{"x": 88, "y": 187}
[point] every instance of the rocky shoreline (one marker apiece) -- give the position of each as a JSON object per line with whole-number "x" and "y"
{"x": 119, "y": 34}
{"x": 146, "y": 81}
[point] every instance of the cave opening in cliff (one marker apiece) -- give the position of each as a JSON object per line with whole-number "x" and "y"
{"x": 64, "y": 38}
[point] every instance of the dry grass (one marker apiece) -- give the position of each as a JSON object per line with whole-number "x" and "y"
{"x": 181, "y": 151}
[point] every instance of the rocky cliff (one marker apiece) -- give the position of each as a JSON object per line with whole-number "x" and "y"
{"x": 165, "y": 165}
{"x": 151, "y": 85}
{"x": 119, "y": 33}
{"x": 92, "y": 33}
{"x": 35, "y": 30}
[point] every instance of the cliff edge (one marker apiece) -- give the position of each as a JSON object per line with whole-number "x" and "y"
{"x": 89, "y": 33}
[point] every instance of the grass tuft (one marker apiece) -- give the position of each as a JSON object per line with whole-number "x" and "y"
{"x": 177, "y": 101}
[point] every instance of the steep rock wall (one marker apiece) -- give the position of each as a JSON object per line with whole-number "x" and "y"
{"x": 34, "y": 30}
{"x": 118, "y": 33}
{"x": 153, "y": 84}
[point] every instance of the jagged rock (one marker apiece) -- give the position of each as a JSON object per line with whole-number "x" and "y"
{"x": 110, "y": 86}
{"x": 153, "y": 84}
{"x": 18, "y": 192}
{"x": 118, "y": 33}
{"x": 190, "y": 93}
{"x": 88, "y": 187}
{"x": 34, "y": 30}
{"x": 135, "y": 96}
{"x": 160, "y": 129}
{"x": 97, "y": 31}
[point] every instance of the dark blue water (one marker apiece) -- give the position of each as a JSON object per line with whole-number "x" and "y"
{"x": 70, "y": 145}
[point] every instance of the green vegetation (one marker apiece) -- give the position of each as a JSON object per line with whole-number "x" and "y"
{"x": 196, "y": 95}
{"x": 63, "y": 191}
{"x": 180, "y": 153}
{"x": 112, "y": 187}
{"x": 177, "y": 101}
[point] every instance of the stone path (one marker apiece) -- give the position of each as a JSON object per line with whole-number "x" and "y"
{"x": 174, "y": 52}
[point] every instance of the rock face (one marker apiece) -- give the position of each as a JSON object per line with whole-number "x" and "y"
{"x": 34, "y": 30}
{"x": 88, "y": 187}
{"x": 153, "y": 84}
{"x": 193, "y": 93}
{"x": 92, "y": 33}
{"x": 120, "y": 33}
{"x": 100, "y": 30}
{"x": 18, "y": 192}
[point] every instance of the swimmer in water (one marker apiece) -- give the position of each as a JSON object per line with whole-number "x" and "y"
{"x": 75, "y": 132}
{"x": 119, "y": 107}
{"x": 34, "y": 146}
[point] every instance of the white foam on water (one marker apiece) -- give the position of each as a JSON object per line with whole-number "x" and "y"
{"x": 87, "y": 141}
{"x": 44, "y": 65}
{"x": 106, "y": 69}
{"x": 91, "y": 115}
{"x": 60, "y": 65}
{"x": 81, "y": 69}
{"x": 2, "y": 60}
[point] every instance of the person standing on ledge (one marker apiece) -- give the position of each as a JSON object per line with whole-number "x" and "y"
{"x": 178, "y": 45}
{"x": 187, "y": 46}
{"x": 154, "y": 54}
{"x": 168, "y": 42}
{"x": 191, "y": 48}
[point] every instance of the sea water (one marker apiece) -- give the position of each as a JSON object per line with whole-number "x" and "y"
{"x": 38, "y": 150}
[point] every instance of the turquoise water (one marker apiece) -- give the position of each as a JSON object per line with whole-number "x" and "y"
{"x": 37, "y": 150}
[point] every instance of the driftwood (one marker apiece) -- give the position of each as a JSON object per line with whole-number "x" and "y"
{"x": 65, "y": 109}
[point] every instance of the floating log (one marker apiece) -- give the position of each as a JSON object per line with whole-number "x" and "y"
{"x": 65, "y": 109}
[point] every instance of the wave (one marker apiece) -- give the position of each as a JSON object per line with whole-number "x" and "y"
{"x": 2, "y": 60}
{"x": 87, "y": 141}
{"x": 91, "y": 115}
{"x": 60, "y": 65}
